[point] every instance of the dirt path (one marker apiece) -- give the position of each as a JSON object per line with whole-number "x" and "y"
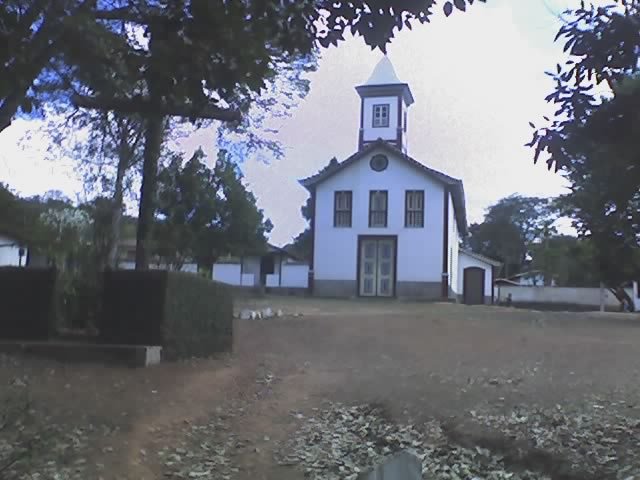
{"x": 419, "y": 361}
{"x": 164, "y": 425}
{"x": 259, "y": 402}
{"x": 271, "y": 421}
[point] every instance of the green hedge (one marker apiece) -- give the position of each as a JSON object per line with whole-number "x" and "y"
{"x": 188, "y": 315}
{"x": 27, "y": 299}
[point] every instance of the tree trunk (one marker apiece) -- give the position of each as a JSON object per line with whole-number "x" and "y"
{"x": 601, "y": 297}
{"x": 623, "y": 297}
{"x": 177, "y": 265}
{"x": 154, "y": 134}
{"x": 153, "y": 143}
{"x": 116, "y": 214}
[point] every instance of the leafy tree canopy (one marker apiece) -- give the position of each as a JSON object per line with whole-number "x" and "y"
{"x": 206, "y": 212}
{"x": 203, "y": 51}
{"x": 301, "y": 245}
{"x": 592, "y": 139}
{"x": 568, "y": 260}
{"x": 173, "y": 58}
{"x": 511, "y": 227}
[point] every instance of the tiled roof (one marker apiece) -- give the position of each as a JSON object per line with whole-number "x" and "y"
{"x": 482, "y": 258}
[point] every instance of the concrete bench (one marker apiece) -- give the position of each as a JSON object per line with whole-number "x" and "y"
{"x": 83, "y": 352}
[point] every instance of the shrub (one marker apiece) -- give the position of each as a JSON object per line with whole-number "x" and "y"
{"x": 79, "y": 296}
{"x": 198, "y": 316}
{"x": 27, "y": 297}
{"x": 188, "y": 315}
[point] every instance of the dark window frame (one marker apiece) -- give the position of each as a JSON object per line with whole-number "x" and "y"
{"x": 348, "y": 210}
{"x": 372, "y": 212}
{"x": 373, "y": 115}
{"x": 407, "y": 212}
{"x": 377, "y": 156}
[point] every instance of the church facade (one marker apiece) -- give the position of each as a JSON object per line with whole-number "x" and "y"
{"x": 386, "y": 225}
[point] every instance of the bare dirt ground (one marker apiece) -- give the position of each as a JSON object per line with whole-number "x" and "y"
{"x": 544, "y": 393}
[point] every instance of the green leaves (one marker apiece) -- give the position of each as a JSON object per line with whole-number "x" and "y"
{"x": 601, "y": 44}
{"x": 593, "y": 141}
{"x": 205, "y": 212}
{"x": 448, "y": 8}
{"x": 511, "y": 227}
{"x": 459, "y": 4}
{"x": 197, "y": 55}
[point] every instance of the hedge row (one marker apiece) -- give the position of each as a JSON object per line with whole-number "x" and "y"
{"x": 187, "y": 314}
{"x": 28, "y": 302}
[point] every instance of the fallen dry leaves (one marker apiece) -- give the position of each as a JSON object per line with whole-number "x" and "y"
{"x": 340, "y": 441}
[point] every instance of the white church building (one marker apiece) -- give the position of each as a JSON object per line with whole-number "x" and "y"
{"x": 385, "y": 224}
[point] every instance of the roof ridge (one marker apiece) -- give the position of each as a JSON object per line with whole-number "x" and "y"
{"x": 479, "y": 256}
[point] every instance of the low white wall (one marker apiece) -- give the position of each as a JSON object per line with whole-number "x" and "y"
{"x": 295, "y": 275}
{"x": 566, "y": 295}
{"x": 187, "y": 267}
{"x": 190, "y": 268}
{"x": 248, "y": 280}
{"x": 251, "y": 265}
{"x": 10, "y": 252}
{"x": 227, "y": 273}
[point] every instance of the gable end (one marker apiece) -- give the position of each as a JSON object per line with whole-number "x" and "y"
{"x": 454, "y": 185}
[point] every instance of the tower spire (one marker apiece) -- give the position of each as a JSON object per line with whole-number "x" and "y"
{"x": 383, "y": 73}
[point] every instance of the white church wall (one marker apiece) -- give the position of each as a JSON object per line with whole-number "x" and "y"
{"x": 372, "y": 133}
{"x": 453, "y": 250}
{"x": 419, "y": 253}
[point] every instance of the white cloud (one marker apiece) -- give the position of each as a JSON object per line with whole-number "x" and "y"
{"x": 23, "y": 165}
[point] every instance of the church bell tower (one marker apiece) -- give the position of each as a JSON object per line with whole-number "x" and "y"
{"x": 385, "y": 101}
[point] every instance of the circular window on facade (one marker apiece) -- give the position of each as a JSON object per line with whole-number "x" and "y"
{"x": 379, "y": 162}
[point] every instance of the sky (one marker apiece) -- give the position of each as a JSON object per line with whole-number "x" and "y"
{"x": 478, "y": 78}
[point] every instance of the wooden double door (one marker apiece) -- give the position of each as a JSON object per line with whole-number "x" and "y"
{"x": 377, "y": 265}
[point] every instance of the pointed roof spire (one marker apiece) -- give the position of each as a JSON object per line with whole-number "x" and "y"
{"x": 383, "y": 74}
{"x": 384, "y": 81}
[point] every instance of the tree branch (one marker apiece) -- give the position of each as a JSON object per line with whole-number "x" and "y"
{"x": 125, "y": 14}
{"x": 145, "y": 107}
{"x": 5, "y": 122}
{"x": 41, "y": 46}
